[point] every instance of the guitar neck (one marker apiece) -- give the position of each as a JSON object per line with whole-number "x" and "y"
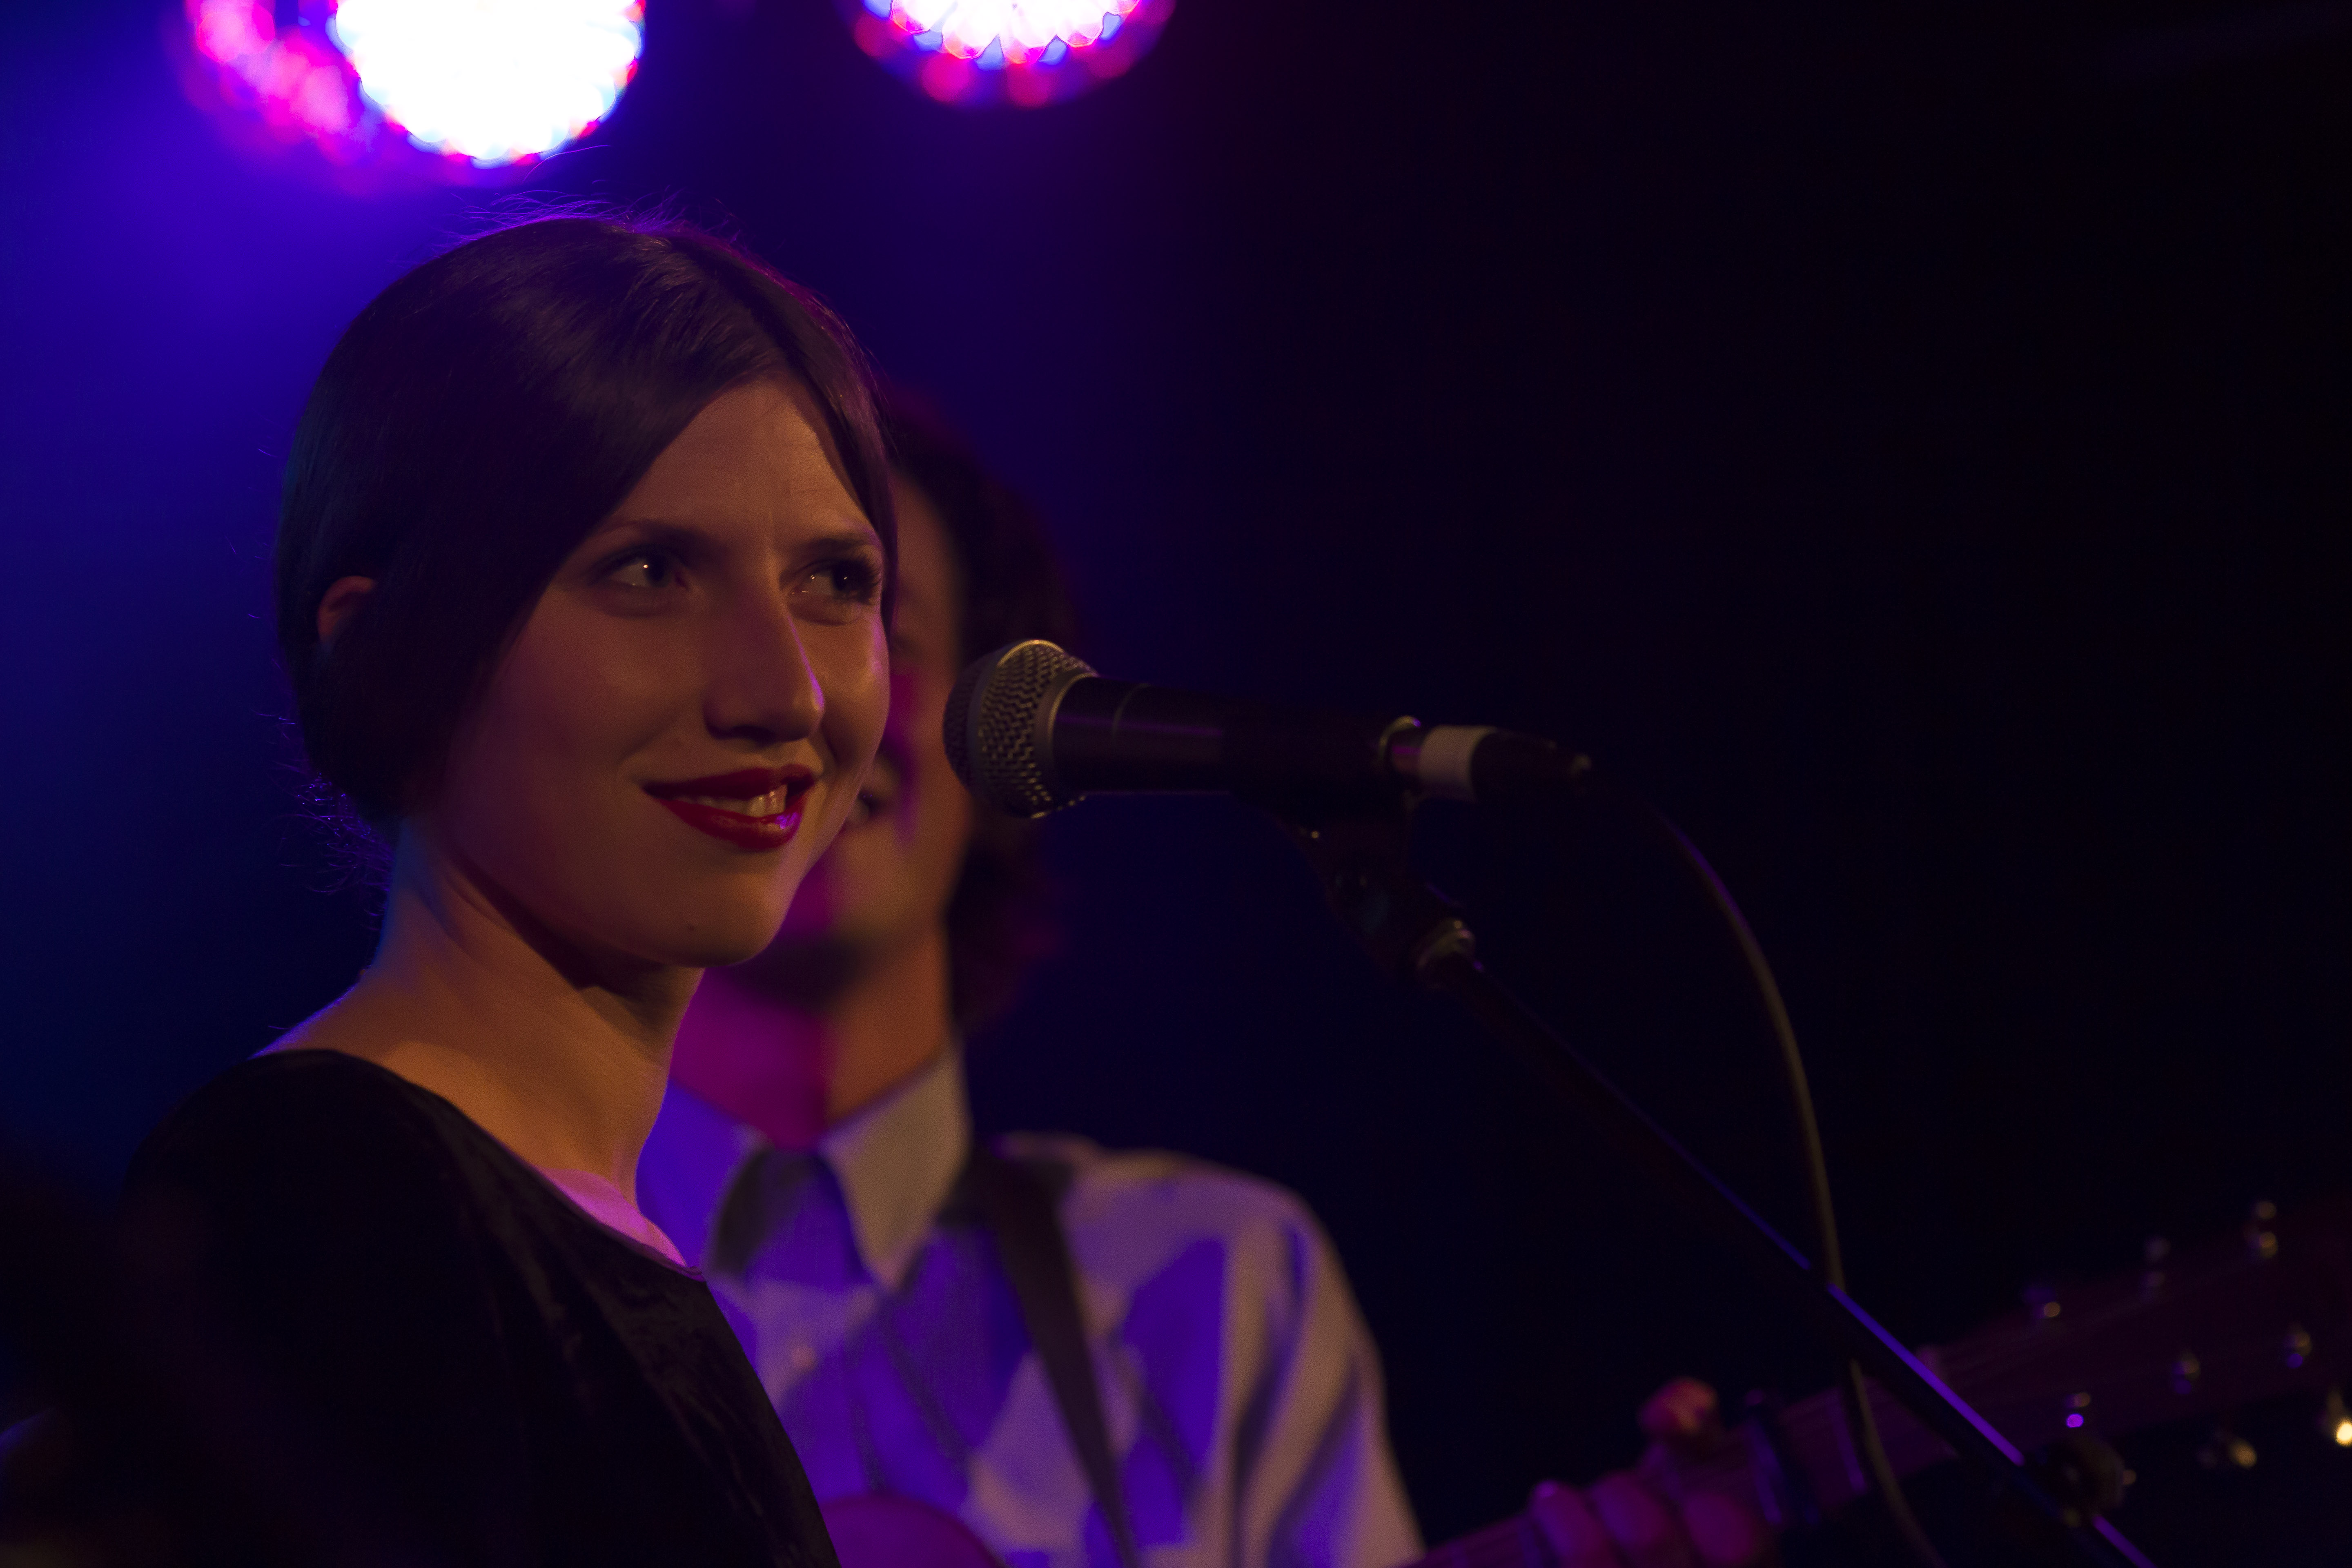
{"x": 2244, "y": 1318}
{"x": 2241, "y": 1319}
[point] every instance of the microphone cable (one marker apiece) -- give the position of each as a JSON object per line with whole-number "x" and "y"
{"x": 1830, "y": 1260}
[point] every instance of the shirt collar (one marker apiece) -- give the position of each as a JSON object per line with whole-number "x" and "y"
{"x": 897, "y": 1160}
{"x": 688, "y": 1166}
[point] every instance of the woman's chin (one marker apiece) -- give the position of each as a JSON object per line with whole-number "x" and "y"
{"x": 712, "y": 950}
{"x": 715, "y": 938}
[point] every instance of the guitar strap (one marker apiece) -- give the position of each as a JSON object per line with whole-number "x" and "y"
{"x": 1017, "y": 1200}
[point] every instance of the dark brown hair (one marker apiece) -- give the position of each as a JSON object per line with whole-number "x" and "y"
{"x": 1011, "y": 589}
{"x": 476, "y": 422}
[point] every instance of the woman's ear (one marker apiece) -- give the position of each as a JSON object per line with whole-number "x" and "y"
{"x": 344, "y": 596}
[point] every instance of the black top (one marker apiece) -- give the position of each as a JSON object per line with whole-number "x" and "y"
{"x": 460, "y": 1363}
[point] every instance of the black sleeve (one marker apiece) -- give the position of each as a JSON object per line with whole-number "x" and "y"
{"x": 338, "y": 1318}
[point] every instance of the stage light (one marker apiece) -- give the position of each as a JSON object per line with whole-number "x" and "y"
{"x": 494, "y": 81}
{"x": 461, "y": 90}
{"x": 1028, "y": 53}
{"x": 291, "y": 82}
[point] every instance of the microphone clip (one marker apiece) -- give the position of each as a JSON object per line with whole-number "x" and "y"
{"x": 1364, "y": 862}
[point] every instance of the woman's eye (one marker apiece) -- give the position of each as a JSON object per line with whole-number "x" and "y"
{"x": 646, "y": 569}
{"x": 846, "y": 581}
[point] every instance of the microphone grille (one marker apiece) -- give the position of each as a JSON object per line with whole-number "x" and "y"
{"x": 991, "y": 727}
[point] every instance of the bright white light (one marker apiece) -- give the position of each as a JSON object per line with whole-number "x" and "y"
{"x": 492, "y": 80}
{"x": 1022, "y": 28}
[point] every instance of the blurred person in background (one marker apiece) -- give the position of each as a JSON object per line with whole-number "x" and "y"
{"x": 1074, "y": 1355}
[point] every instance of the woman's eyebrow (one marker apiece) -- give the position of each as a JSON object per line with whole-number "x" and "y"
{"x": 847, "y": 539}
{"x": 647, "y": 530}
{"x": 687, "y": 536}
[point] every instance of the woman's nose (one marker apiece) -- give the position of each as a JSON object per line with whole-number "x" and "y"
{"x": 761, "y": 686}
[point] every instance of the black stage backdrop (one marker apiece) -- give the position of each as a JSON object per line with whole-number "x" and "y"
{"x": 1909, "y": 444}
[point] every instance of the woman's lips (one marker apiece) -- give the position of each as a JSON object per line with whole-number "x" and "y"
{"x": 743, "y": 831}
{"x": 753, "y": 808}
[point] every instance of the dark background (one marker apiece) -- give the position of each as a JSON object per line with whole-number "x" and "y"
{"x": 1908, "y": 442}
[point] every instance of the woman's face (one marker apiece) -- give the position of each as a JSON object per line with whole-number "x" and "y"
{"x": 687, "y": 715}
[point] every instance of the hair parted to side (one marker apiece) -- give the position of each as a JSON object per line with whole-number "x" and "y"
{"x": 475, "y": 422}
{"x": 1012, "y": 588}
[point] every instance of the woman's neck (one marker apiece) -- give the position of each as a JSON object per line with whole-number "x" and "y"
{"x": 792, "y": 1064}
{"x": 559, "y": 1055}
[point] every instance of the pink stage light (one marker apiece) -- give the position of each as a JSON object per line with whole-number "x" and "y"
{"x": 1027, "y": 53}
{"x": 297, "y": 86}
{"x": 452, "y": 89}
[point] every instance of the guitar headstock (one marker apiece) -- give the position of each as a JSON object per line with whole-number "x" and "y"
{"x": 2261, "y": 1311}
{"x": 2241, "y": 1317}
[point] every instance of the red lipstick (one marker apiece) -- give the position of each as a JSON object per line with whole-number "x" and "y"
{"x": 751, "y": 808}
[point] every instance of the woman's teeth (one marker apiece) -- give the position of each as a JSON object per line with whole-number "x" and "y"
{"x": 775, "y": 803}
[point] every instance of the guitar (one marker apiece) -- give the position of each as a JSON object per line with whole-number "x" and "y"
{"x": 2241, "y": 1319}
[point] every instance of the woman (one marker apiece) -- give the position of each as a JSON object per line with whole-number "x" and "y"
{"x": 582, "y": 582}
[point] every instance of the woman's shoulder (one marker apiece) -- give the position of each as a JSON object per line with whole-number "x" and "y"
{"x": 292, "y": 1134}
{"x": 336, "y": 1216}
{"x": 289, "y": 1104}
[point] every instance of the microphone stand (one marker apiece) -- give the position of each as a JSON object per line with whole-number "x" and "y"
{"x": 1364, "y": 862}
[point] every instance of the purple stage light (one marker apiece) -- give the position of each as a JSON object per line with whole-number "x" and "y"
{"x": 1028, "y": 53}
{"x": 453, "y": 90}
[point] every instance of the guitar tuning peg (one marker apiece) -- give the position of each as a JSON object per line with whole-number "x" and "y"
{"x": 2087, "y": 1475}
{"x": 2335, "y": 1421}
{"x": 2153, "y": 1254}
{"x": 2040, "y": 1301}
{"x": 2295, "y": 1348}
{"x": 2225, "y": 1450}
{"x": 2261, "y": 1241}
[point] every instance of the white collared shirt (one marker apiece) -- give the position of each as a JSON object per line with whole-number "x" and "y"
{"x": 1241, "y": 1388}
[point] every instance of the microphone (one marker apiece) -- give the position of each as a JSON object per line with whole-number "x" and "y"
{"x": 1031, "y": 728}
